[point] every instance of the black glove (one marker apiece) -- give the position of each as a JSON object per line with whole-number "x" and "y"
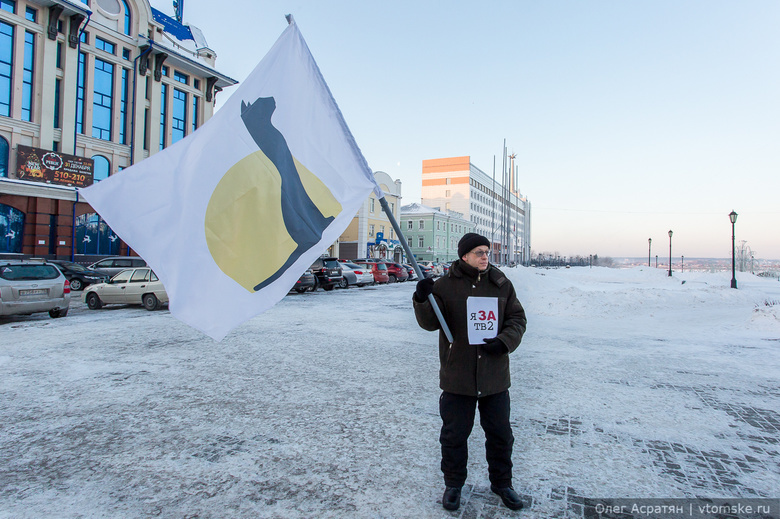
{"x": 494, "y": 346}
{"x": 424, "y": 287}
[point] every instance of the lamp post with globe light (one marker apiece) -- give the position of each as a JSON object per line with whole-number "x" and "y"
{"x": 733, "y": 218}
{"x": 670, "y": 253}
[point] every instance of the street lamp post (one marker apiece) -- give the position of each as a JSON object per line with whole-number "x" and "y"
{"x": 656, "y": 261}
{"x": 649, "y": 243}
{"x": 670, "y": 253}
{"x": 682, "y": 263}
{"x": 733, "y": 218}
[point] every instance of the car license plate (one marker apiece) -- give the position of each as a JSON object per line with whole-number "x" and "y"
{"x": 33, "y": 292}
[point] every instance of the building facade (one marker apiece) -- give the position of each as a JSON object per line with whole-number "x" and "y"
{"x": 88, "y": 88}
{"x": 370, "y": 234}
{"x": 499, "y": 212}
{"x": 433, "y": 235}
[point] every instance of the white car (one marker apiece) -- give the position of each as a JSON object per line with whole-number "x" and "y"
{"x": 138, "y": 286}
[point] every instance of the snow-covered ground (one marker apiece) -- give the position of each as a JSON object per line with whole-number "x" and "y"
{"x": 628, "y": 384}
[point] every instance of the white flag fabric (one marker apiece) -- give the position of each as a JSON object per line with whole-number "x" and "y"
{"x": 231, "y": 216}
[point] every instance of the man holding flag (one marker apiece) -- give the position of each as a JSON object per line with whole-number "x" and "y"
{"x": 487, "y": 323}
{"x": 232, "y": 215}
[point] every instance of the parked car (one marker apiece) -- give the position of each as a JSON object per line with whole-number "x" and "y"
{"x": 116, "y": 264}
{"x": 364, "y": 275}
{"x": 445, "y": 268}
{"x": 348, "y": 276}
{"x": 410, "y": 270}
{"x": 432, "y": 266}
{"x": 80, "y": 276}
{"x": 307, "y": 281}
{"x": 396, "y": 272}
{"x": 378, "y": 270}
{"x": 426, "y": 270}
{"x": 327, "y": 271}
{"x": 130, "y": 287}
{"x": 28, "y": 287}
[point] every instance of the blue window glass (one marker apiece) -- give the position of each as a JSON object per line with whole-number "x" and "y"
{"x": 59, "y": 54}
{"x": 107, "y": 46}
{"x": 128, "y": 18}
{"x": 163, "y": 125}
{"x": 94, "y": 236}
{"x": 6, "y": 67}
{"x": 165, "y": 70}
{"x": 126, "y": 54}
{"x": 102, "y": 99}
{"x": 31, "y": 14}
{"x": 4, "y": 150}
{"x": 8, "y": 5}
{"x": 57, "y": 91}
{"x": 178, "y": 115}
{"x": 85, "y": 37}
{"x": 80, "y": 92}
{"x": 102, "y": 168}
{"x": 55, "y": 146}
{"x": 123, "y": 106}
{"x": 196, "y": 84}
{"x": 27, "y": 76}
{"x": 11, "y": 229}
{"x": 181, "y": 78}
{"x": 194, "y": 118}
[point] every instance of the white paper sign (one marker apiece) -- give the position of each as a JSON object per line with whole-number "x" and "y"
{"x": 482, "y": 318}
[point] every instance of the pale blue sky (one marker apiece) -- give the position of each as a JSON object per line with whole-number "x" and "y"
{"x": 628, "y": 118}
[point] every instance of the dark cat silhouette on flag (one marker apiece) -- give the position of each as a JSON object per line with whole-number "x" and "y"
{"x": 260, "y": 186}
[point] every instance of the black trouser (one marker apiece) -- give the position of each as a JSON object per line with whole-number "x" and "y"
{"x": 457, "y": 414}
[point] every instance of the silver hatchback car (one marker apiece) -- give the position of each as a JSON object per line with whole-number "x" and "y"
{"x": 28, "y": 287}
{"x": 116, "y": 264}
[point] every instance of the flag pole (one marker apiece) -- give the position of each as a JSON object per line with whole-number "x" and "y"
{"x": 420, "y": 275}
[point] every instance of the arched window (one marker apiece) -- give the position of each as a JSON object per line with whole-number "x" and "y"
{"x": 4, "y": 148}
{"x": 94, "y": 236}
{"x": 128, "y": 18}
{"x": 102, "y": 168}
{"x": 11, "y": 227}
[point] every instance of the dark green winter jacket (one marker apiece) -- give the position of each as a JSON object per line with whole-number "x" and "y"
{"x": 466, "y": 369}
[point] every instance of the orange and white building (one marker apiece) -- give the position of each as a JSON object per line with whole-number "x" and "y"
{"x": 499, "y": 212}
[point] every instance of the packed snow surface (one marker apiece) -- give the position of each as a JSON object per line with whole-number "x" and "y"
{"x": 628, "y": 383}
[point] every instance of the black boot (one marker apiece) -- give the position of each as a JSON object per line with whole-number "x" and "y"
{"x": 451, "y": 498}
{"x": 508, "y": 496}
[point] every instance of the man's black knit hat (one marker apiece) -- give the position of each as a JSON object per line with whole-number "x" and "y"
{"x": 471, "y": 241}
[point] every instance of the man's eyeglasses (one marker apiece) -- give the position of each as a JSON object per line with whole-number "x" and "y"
{"x": 481, "y": 253}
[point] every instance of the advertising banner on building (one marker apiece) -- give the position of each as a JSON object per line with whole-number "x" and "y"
{"x": 51, "y": 167}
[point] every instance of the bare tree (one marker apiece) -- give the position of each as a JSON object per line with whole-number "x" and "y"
{"x": 744, "y": 255}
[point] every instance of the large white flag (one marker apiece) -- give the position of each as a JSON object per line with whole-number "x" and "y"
{"x": 231, "y": 216}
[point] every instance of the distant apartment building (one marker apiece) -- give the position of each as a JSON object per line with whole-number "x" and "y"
{"x": 88, "y": 88}
{"x": 433, "y": 235}
{"x": 499, "y": 212}
{"x": 370, "y": 234}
